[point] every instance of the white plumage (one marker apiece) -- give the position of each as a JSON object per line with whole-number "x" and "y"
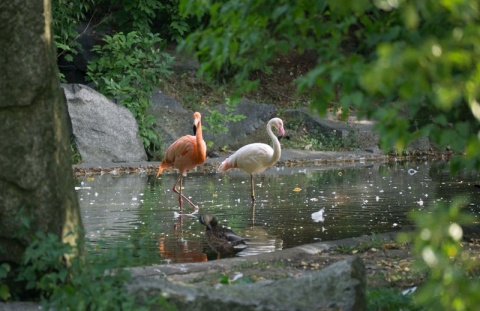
{"x": 255, "y": 158}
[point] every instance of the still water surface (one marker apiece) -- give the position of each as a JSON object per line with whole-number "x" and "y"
{"x": 295, "y": 206}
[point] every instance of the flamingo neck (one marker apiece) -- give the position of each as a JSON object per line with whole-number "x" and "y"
{"x": 277, "y": 150}
{"x": 199, "y": 138}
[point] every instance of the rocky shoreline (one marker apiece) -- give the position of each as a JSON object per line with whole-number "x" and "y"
{"x": 289, "y": 158}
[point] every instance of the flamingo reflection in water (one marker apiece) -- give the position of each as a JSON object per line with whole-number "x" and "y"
{"x": 181, "y": 250}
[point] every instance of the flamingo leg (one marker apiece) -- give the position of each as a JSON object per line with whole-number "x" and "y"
{"x": 252, "y": 191}
{"x": 179, "y": 179}
{"x": 180, "y": 194}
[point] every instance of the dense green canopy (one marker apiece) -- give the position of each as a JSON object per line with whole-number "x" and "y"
{"x": 413, "y": 66}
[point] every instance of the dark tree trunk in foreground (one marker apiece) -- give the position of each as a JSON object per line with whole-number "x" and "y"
{"x": 35, "y": 160}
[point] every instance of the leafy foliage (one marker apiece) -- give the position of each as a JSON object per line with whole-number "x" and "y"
{"x": 438, "y": 244}
{"x": 128, "y": 16}
{"x": 129, "y": 66}
{"x": 384, "y": 59}
{"x": 217, "y": 121}
{"x": 174, "y": 25}
{"x": 93, "y": 282}
{"x": 66, "y": 17}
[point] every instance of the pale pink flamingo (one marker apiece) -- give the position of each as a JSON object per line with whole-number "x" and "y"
{"x": 184, "y": 154}
{"x": 255, "y": 158}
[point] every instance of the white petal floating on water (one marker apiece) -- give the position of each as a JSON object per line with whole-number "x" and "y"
{"x": 318, "y": 216}
{"x": 83, "y": 188}
{"x": 377, "y": 198}
{"x": 412, "y": 171}
{"x": 420, "y": 202}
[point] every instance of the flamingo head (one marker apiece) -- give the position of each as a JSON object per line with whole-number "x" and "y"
{"x": 197, "y": 117}
{"x": 278, "y": 124}
{"x": 208, "y": 220}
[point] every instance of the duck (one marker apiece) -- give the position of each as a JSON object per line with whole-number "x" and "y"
{"x": 222, "y": 240}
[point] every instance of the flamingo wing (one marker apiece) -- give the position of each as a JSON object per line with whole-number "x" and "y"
{"x": 182, "y": 154}
{"x": 252, "y": 158}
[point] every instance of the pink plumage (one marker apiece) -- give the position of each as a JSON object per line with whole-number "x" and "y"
{"x": 255, "y": 158}
{"x": 185, "y": 154}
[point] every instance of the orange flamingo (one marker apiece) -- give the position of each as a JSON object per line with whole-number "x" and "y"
{"x": 184, "y": 154}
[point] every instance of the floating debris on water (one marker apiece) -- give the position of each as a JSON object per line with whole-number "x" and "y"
{"x": 318, "y": 216}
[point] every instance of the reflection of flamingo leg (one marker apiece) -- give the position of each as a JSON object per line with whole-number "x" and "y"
{"x": 253, "y": 213}
{"x": 180, "y": 194}
{"x": 252, "y": 191}
{"x": 175, "y": 249}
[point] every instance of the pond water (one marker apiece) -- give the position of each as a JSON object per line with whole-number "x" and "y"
{"x": 295, "y": 206}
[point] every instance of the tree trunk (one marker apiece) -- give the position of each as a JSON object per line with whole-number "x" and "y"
{"x": 36, "y": 179}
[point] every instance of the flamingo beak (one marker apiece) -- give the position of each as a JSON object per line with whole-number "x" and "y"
{"x": 195, "y": 126}
{"x": 281, "y": 131}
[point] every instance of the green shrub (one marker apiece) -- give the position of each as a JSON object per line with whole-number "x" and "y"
{"x": 453, "y": 282}
{"x": 95, "y": 281}
{"x": 217, "y": 121}
{"x": 66, "y": 15}
{"x": 172, "y": 24}
{"x": 127, "y": 69}
{"x": 127, "y": 16}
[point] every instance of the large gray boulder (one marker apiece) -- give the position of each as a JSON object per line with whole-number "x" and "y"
{"x": 173, "y": 121}
{"x": 340, "y": 286}
{"x": 104, "y": 132}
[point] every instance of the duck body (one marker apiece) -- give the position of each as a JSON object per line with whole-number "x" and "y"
{"x": 222, "y": 240}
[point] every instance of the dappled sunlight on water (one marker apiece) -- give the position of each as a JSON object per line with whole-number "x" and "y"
{"x": 295, "y": 206}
